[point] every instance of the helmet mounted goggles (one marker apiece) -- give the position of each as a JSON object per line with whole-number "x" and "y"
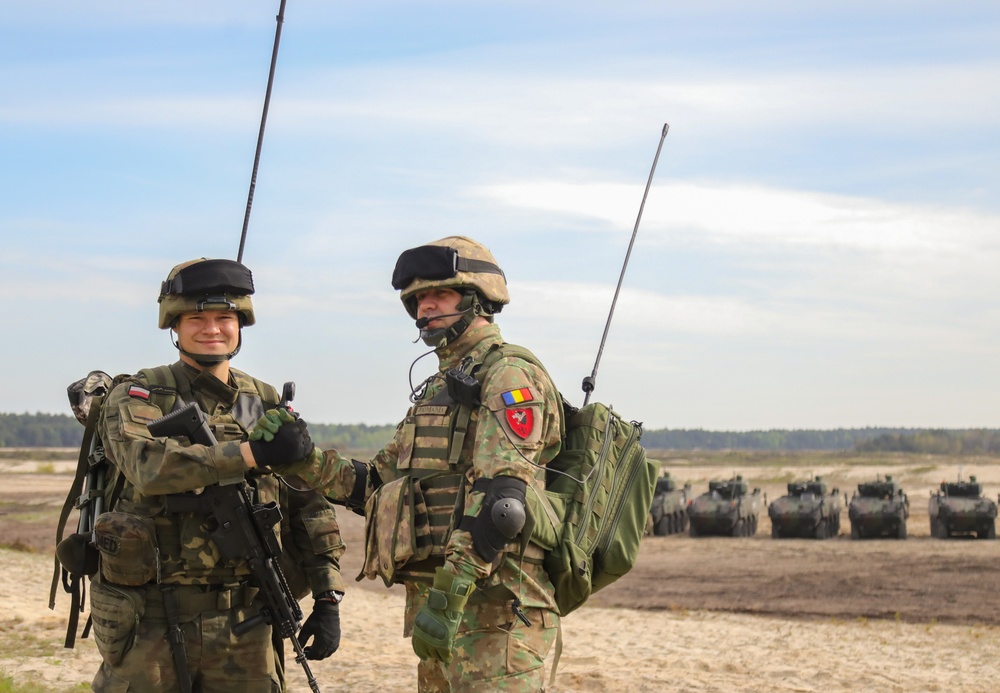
{"x": 210, "y": 278}
{"x": 433, "y": 263}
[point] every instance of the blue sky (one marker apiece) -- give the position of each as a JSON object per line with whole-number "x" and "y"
{"x": 820, "y": 246}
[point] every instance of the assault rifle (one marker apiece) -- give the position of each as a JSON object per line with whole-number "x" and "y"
{"x": 241, "y": 530}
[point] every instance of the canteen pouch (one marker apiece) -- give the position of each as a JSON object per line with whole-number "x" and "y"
{"x": 129, "y": 554}
{"x": 116, "y": 612}
{"x": 397, "y": 530}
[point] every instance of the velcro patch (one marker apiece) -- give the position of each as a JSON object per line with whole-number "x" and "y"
{"x": 140, "y": 392}
{"x": 518, "y": 396}
{"x": 520, "y": 420}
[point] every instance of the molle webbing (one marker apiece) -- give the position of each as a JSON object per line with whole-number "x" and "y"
{"x": 443, "y": 499}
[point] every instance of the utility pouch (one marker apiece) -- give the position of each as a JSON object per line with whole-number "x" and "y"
{"x": 397, "y": 529}
{"x": 77, "y": 555}
{"x": 129, "y": 554}
{"x": 116, "y": 612}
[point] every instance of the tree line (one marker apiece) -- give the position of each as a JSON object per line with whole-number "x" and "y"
{"x": 63, "y": 430}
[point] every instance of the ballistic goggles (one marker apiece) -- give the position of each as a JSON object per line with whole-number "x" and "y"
{"x": 210, "y": 277}
{"x": 434, "y": 263}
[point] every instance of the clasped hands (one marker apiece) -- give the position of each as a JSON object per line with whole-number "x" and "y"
{"x": 280, "y": 441}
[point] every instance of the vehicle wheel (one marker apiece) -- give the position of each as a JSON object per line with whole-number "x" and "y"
{"x": 901, "y": 530}
{"x": 989, "y": 532}
{"x": 662, "y": 526}
{"x": 775, "y": 531}
{"x": 855, "y": 531}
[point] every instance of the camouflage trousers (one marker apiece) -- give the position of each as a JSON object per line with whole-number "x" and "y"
{"x": 493, "y": 649}
{"x": 138, "y": 657}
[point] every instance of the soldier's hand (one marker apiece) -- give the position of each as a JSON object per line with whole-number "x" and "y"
{"x": 436, "y": 623}
{"x": 268, "y": 425}
{"x": 323, "y": 626}
{"x": 289, "y": 444}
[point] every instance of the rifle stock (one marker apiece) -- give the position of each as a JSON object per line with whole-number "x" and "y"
{"x": 242, "y": 530}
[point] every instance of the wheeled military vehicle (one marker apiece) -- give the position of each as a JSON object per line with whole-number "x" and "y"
{"x": 810, "y": 510}
{"x": 878, "y": 509}
{"x": 728, "y": 508}
{"x": 668, "y": 513}
{"x": 960, "y": 508}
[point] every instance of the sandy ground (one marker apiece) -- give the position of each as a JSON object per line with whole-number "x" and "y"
{"x": 713, "y": 614}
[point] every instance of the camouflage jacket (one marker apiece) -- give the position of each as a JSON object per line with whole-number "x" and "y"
{"x": 155, "y": 467}
{"x": 514, "y": 432}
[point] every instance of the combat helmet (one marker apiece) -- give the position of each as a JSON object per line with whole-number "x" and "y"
{"x": 205, "y": 284}
{"x": 458, "y": 263}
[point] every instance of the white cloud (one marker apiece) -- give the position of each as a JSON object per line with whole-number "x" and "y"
{"x": 744, "y": 214}
{"x": 551, "y": 108}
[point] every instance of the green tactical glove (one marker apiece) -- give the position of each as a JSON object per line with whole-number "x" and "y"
{"x": 268, "y": 425}
{"x": 437, "y": 621}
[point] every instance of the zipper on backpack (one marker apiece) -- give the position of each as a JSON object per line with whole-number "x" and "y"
{"x": 633, "y": 470}
{"x": 602, "y": 459}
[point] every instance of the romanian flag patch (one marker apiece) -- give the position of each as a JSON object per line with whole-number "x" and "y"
{"x": 140, "y": 392}
{"x": 517, "y": 396}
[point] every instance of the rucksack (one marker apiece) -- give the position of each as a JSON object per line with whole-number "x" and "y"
{"x": 76, "y": 557}
{"x": 598, "y": 490}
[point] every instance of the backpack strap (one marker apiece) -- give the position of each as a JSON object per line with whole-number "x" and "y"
{"x": 503, "y": 350}
{"x": 162, "y": 384}
{"x": 73, "y": 497}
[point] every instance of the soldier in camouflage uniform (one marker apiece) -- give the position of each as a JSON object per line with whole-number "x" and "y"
{"x": 445, "y": 500}
{"x": 161, "y": 573}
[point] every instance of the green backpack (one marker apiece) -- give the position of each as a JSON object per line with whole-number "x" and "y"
{"x": 598, "y": 490}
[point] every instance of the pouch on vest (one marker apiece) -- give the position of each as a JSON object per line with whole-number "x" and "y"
{"x": 129, "y": 555}
{"x": 116, "y": 612}
{"x": 397, "y": 530}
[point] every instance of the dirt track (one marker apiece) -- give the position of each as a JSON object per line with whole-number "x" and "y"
{"x": 708, "y": 615}
{"x": 917, "y": 580}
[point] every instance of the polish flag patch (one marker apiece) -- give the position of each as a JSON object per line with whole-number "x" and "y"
{"x": 521, "y": 421}
{"x": 140, "y": 392}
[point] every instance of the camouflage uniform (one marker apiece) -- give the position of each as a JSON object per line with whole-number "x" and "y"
{"x": 420, "y": 495}
{"x": 161, "y": 551}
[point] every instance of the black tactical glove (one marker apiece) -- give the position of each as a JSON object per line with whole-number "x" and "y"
{"x": 290, "y": 443}
{"x": 323, "y": 626}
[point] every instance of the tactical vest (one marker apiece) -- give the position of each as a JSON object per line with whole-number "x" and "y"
{"x": 182, "y": 543}
{"x": 436, "y": 446}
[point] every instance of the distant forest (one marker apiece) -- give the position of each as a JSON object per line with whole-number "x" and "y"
{"x": 63, "y": 430}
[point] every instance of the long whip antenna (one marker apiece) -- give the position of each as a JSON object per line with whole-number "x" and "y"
{"x": 591, "y": 380}
{"x": 280, "y": 19}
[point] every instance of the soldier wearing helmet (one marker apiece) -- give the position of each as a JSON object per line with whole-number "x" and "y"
{"x": 161, "y": 572}
{"x": 447, "y": 499}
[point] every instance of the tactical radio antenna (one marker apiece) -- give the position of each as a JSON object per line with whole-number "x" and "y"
{"x": 591, "y": 380}
{"x": 280, "y": 19}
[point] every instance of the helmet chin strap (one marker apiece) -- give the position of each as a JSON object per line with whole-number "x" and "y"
{"x": 209, "y": 360}
{"x": 438, "y": 337}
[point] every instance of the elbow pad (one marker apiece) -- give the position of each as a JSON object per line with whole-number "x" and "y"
{"x": 502, "y": 516}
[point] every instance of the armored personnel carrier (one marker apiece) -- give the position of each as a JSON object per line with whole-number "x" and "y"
{"x": 879, "y": 509}
{"x": 728, "y": 508}
{"x": 809, "y": 510}
{"x": 668, "y": 512}
{"x": 960, "y": 508}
